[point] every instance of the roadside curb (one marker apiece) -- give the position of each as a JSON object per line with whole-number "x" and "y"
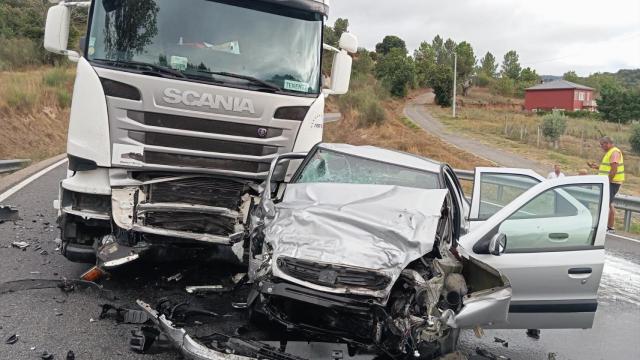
{"x": 12, "y": 179}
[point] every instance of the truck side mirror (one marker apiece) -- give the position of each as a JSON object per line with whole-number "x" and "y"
{"x": 56, "y": 33}
{"x": 348, "y": 42}
{"x": 342, "y": 62}
{"x": 340, "y": 73}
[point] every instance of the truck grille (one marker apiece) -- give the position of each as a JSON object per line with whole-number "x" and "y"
{"x": 202, "y": 125}
{"x": 332, "y": 275}
{"x": 152, "y": 157}
{"x": 202, "y": 144}
{"x": 199, "y": 191}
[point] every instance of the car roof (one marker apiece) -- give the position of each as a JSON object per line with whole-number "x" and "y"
{"x": 385, "y": 155}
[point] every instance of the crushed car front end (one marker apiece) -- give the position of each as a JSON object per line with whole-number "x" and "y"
{"x": 371, "y": 265}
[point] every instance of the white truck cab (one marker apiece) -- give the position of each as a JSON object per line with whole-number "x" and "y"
{"x": 178, "y": 109}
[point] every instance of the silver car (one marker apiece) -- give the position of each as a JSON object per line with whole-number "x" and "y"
{"x": 381, "y": 249}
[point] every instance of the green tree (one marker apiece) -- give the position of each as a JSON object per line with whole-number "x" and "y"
{"x": 449, "y": 48}
{"x": 362, "y": 63}
{"x": 634, "y": 139}
{"x": 488, "y": 65}
{"x": 511, "y": 65}
{"x": 554, "y": 126}
{"x": 529, "y": 76}
{"x": 437, "y": 44}
{"x": 466, "y": 65}
{"x": 339, "y": 27}
{"x": 425, "y": 60}
{"x": 571, "y": 76}
{"x": 619, "y": 105}
{"x": 390, "y": 42}
{"x": 396, "y": 70}
{"x": 442, "y": 84}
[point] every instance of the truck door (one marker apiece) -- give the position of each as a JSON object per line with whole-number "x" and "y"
{"x": 554, "y": 253}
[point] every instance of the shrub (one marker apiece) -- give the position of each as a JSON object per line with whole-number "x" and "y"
{"x": 442, "y": 83}
{"x": 17, "y": 53}
{"x": 57, "y": 77}
{"x": 371, "y": 114}
{"x": 63, "y": 97}
{"x": 553, "y": 127}
{"x": 20, "y": 96}
{"x": 484, "y": 80}
{"x": 504, "y": 86}
{"x": 634, "y": 139}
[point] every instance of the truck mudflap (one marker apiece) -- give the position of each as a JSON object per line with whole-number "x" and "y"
{"x": 192, "y": 349}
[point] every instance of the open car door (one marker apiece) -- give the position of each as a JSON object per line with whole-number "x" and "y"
{"x": 554, "y": 252}
{"x": 495, "y": 187}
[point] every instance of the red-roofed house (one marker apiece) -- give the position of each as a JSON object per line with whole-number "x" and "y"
{"x": 559, "y": 94}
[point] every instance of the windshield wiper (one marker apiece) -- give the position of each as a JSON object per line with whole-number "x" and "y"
{"x": 248, "y": 78}
{"x": 156, "y": 69}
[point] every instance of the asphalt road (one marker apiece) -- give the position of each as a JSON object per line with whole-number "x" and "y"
{"x": 53, "y": 321}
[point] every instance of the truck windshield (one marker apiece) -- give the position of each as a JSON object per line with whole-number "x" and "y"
{"x": 242, "y": 44}
{"x": 327, "y": 166}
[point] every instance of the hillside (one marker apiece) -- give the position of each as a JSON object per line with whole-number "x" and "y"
{"x": 34, "y": 112}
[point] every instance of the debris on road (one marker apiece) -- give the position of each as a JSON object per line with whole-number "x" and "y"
{"x": 46, "y": 356}
{"x": 222, "y": 346}
{"x": 93, "y": 274}
{"x": 12, "y": 339}
{"x": 206, "y": 289}
{"x": 71, "y": 355}
{"x": 177, "y": 277}
{"x": 489, "y": 355}
{"x": 239, "y": 305}
{"x": 123, "y": 315}
{"x": 141, "y": 340}
{"x": 65, "y": 285}
{"x": 7, "y": 213}
{"x": 533, "y": 333}
{"x": 22, "y": 245}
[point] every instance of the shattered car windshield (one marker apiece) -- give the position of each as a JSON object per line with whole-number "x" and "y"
{"x": 328, "y": 166}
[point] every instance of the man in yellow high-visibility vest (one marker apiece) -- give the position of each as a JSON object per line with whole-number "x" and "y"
{"x": 612, "y": 165}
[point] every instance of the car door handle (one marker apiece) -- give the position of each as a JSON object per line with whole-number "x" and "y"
{"x": 580, "y": 271}
{"x": 559, "y": 237}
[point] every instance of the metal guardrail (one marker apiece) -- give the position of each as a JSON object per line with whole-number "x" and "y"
{"x": 7, "y": 166}
{"x": 630, "y": 204}
{"x": 332, "y": 117}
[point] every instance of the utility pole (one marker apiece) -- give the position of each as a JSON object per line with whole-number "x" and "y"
{"x": 455, "y": 78}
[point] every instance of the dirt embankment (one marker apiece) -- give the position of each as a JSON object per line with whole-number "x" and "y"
{"x": 34, "y": 112}
{"x": 400, "y": 134}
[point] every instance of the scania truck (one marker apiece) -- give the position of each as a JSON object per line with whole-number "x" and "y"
{"x": 178, "y": 108}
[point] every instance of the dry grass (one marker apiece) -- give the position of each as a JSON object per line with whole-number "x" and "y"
{"x": 517, "y": 131}
{"x": 396, "y": 133}
{"x": 34, "y": 112}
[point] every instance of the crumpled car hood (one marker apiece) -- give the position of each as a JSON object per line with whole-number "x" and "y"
{"x": 376, "y": 227}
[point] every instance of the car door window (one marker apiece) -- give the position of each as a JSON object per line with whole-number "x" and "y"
{"x": 499, "y": 189}
{"x": 559, "y": 218}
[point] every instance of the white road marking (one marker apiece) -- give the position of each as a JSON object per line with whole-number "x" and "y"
{"x": 29, "y": 180}
{"x": 620, "y": 280}
{"x": 624, "y": 238}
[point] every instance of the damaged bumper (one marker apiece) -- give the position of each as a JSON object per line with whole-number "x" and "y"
{"x": 237, "y": 349}
{"x": 190, "y": 348}
{"x": 181, "y": 210}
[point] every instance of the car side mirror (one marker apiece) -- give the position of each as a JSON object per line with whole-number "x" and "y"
{"x": 498, "y": 244}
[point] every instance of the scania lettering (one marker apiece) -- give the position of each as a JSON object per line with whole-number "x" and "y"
{"x": 192, "y": 98}
{"x": 178, "y": 109}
